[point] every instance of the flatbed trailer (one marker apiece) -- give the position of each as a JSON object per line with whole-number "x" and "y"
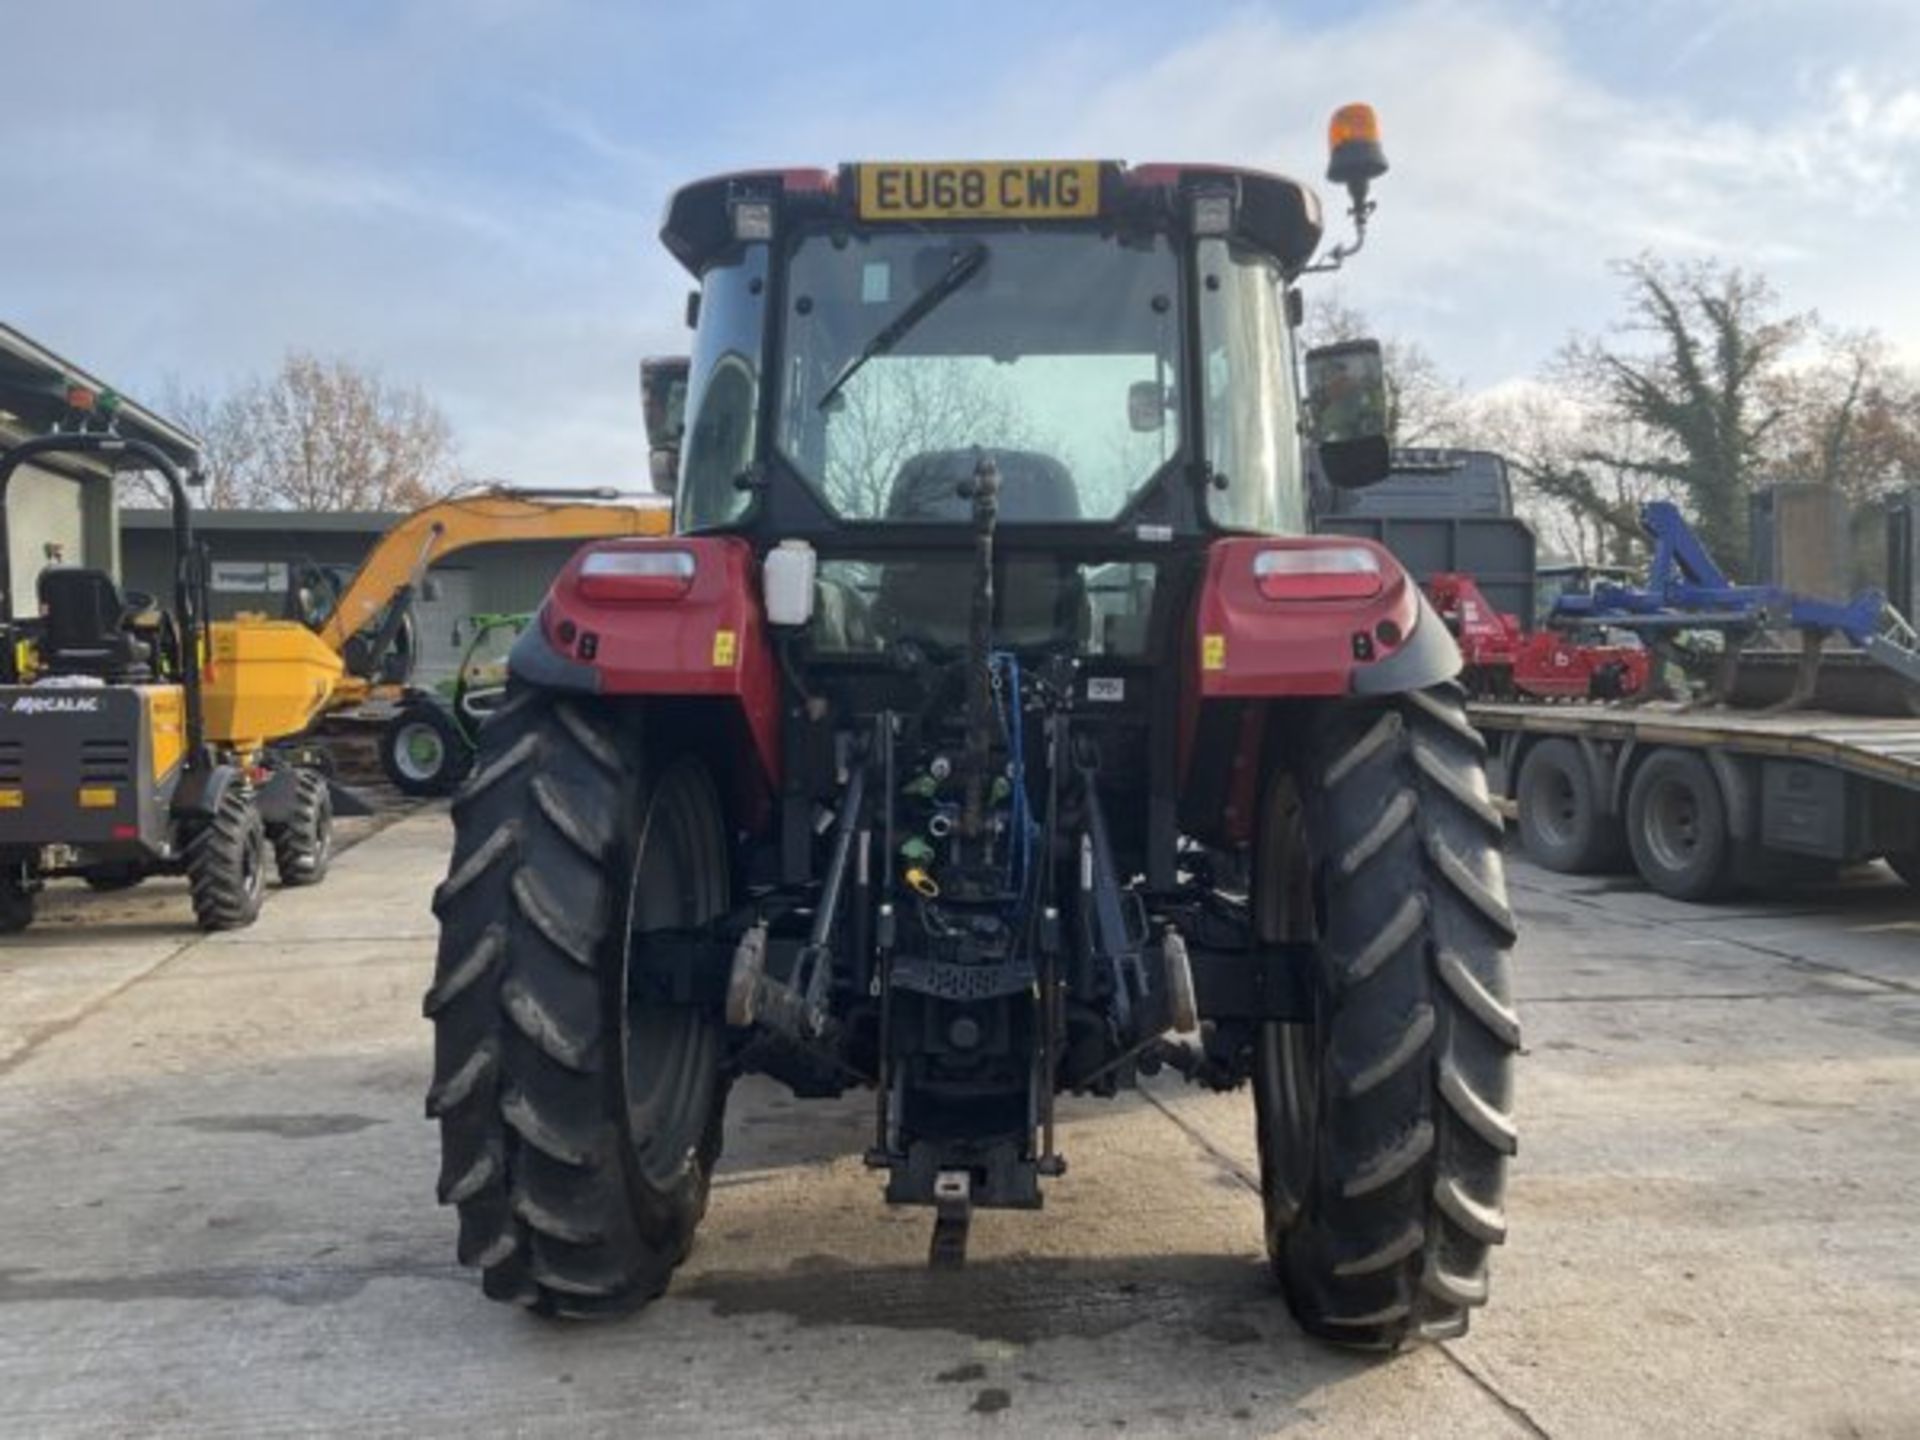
{"x": 1704, "y": 801}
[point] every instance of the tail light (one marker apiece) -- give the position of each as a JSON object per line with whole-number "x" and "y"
{"x": 1326, "y": 572}
{"x": 642, "y": 576}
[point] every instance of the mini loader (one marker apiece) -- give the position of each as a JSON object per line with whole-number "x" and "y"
{"x": 134, "y": 740}
{"x": 991, "y": 729}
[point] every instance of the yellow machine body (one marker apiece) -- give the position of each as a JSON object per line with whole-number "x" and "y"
{"x": 265, "y": 680}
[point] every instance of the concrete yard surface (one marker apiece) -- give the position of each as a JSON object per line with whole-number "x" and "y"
{"x": 217, "y": 1187}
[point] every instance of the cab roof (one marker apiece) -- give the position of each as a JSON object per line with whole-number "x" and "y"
{"x": 1271, "y": 212}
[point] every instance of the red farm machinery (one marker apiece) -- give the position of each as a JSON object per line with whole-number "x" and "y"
{"x": 992, "y": 728}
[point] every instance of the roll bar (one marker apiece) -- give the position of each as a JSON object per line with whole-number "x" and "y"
{"x": 186, "y": 594}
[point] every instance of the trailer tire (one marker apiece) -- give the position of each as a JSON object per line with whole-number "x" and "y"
{"x": 227, "y": 862}
{"x": 1677, "y": 827}
{"x": 1385, "y": 1124}
{"x": 303, "y": 847}
{"x": 16, "y": 900}
{"x": 423, "y": 752}
{"x": 579, "y": 1121}
{"x": 1562, "y": 826}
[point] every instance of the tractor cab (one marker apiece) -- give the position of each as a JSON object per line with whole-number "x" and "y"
{"x": 1117, "y": 341}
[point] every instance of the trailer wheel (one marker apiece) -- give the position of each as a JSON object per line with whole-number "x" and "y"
{"x": 580, "y": 1117}
{"x": 303, "y": 847}
{"x": 1561, "y": 823}
{"x": 1385, "y": 1123}
{"x": 16, "y": 899}
{"x": 227, "y": 863}
{"x": 423, "y": 751}
{"x": 1677, "y": 827}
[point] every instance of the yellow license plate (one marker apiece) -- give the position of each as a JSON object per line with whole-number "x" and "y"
{"x": 98, "y": 797}
{"x": 12, "y": 799}
{"x": 989, "y": 190}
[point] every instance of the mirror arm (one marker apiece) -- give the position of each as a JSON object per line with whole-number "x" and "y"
{"x": 1359, "y": 212}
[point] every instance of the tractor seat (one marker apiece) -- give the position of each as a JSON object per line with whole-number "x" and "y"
{"x": 1038, "y": 600}
{"x": 86, "y": 627}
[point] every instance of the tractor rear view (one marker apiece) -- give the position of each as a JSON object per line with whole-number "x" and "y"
{"x": 991, "y": 729}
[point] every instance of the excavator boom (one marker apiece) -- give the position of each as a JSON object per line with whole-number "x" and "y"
{"x": 405, "y": 553}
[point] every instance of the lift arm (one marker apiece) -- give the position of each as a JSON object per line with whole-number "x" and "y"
{"x": 405, "y": 553}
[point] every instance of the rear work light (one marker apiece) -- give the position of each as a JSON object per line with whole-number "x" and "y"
{"x": 636, "y": 575}
{"x": 1333, "y": 572}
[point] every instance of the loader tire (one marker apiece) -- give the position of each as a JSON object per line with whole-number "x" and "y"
{"x": 303, "y": 847}
{"x": 1385, "y": 1123}
{"x": 423, "y": 752}
{"x": 16, "y": 900}
{"x": 227, "y": 863}
{"x": 579, "y": 1120}
{"x": 1561, "y": 824}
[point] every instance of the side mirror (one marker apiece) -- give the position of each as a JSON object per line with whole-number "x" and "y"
{"x": 1347, "y": 412}
{"x": 663, "y": 407}
{"x": 1147, "y": 403}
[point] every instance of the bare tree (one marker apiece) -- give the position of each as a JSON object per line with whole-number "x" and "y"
{"x": 318, "y": 434}
{"x": 1581, "y": 471}
{"x": 1424, "y": 405}
{"x": 1850, "y": 419}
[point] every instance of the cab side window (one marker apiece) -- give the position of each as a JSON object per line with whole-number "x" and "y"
{"x": 723, "y": 393}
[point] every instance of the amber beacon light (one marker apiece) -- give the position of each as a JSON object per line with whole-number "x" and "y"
{"x": 1354, "y": 156}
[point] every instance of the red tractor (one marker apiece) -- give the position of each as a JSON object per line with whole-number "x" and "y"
{"x": 992, "y": 728}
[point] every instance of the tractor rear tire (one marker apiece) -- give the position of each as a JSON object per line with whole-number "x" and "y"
{"x": 16, "y": 900}
{"x": 423, "y": 751}
{"x": 303, "y": 847}
{"x": 1677, "y": 827}
{"x": 227, "y": 863}
{"x": 1561, "y": 824}
{"x": 579, "y": 1120}
{"x": 1385, "y": 1123}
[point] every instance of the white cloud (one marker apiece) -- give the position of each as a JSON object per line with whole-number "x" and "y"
{"x": 333, "y": 199}
{"x": 1517, "y": 175}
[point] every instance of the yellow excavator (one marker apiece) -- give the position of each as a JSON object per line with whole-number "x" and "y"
{"x": 366, "y": 619}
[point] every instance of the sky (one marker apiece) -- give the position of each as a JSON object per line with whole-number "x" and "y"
{"x": 465, "y": 194}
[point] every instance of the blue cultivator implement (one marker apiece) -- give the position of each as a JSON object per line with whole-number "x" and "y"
{"x": 1687, "y": 593}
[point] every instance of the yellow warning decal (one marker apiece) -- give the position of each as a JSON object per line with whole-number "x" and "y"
{"x": 98, "y": 797}
{"x": 1213, "y": 652}
{"x": 12, "y": 799}
{"x": 723, "y": 648}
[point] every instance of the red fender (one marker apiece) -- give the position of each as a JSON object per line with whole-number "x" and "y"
{"x": 692, "y": 626}
{"x": 1305, "y": 617}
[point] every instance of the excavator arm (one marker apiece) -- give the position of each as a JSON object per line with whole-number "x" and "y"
{"x": 400, "y": 561}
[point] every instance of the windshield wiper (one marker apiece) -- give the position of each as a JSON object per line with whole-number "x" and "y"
{"x": 961, "y": 267}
